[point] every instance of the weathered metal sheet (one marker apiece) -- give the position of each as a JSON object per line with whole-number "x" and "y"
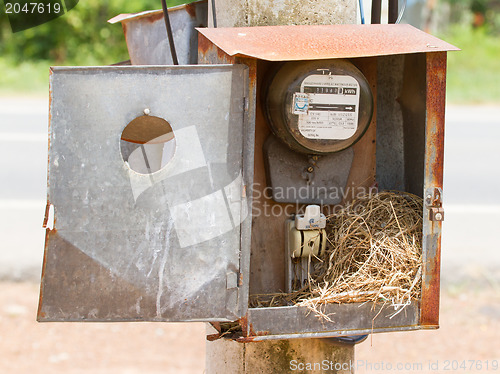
{"x": 418, "y": 95}
{"x": 288, "y": 171}
{"x": 210, "y": 54}
{"x": 390, "y": 131}
{"x": 146, "y": 35}
{"x": 347, "y": 319}
{"x": 293, "y": 43}
{"x": 166, "y": 246}
{"x": 433, "y": 180}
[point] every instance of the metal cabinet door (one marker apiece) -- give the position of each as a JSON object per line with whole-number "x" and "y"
{"x": 162, "y": 246}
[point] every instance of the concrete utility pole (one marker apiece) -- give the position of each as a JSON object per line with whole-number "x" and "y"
{"x": 295, "y": 355}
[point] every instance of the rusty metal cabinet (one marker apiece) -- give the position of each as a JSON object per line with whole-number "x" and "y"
{"x": 184, "y": 244}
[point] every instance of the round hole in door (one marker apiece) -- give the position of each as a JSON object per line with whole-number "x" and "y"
{"x": 147, "y": 144}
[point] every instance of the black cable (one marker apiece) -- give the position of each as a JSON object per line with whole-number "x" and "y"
{"x": 169, "y": 33}
{"x": 376, "y": 11}
{"x": 214, "y": 18}
{"x": 393, "y": 11}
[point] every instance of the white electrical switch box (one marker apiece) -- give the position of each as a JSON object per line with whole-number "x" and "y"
{"x": 312, "y": 219}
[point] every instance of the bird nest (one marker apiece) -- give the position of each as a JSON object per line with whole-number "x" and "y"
{"x": 374, "y": 254}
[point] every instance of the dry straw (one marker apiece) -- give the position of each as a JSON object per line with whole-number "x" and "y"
{"x": 374, "y": 254}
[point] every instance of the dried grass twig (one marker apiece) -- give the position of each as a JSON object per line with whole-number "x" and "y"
{"x": 374, "y": 254}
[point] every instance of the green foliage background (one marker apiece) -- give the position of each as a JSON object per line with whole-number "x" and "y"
{"x": 473, "y": 72}
{"x": 82, "y": 36}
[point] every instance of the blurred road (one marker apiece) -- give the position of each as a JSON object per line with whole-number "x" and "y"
{"x": 470, "y": 246}
{"x": 472, "y": 201}
{"x": 23, "y": 172}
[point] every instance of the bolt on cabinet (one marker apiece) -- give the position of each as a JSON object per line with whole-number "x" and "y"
{"x": 171, "y": 225}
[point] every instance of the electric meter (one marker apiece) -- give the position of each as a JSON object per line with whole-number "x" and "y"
{"x": 318, "y": 107}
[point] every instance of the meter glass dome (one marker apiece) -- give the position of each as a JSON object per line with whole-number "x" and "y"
{"x": 318, "y": 107}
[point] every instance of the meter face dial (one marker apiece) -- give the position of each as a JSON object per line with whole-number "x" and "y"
{"x": 319, "y": 107}
{"x": 327, "y": 106}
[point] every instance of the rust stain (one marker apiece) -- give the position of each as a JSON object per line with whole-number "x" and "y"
{"x": 153, "y": 17}
{"x": 429, "y": 313}
{"x": 311, "y": 42}
{"x": 209, "y": 53}
{"x": 148, "y": 16}
{"x": 223, "y": 56}
{"x": 250, "y": 339}
{"x": 191, "y": 10}
{"x": 252, "y": 73}
{"x": 248, "y": 330}
{"x": 124, "y": 27}
{"x": 436, "y": 87}
{"x": 245, "y": 339}
{"x": 435, "y": 97}
{"x": 243, "y": 321}
{"x": 216, "y": 325}
{"x": 213, "y": 337}
{"x": 46, "y": 215}
{"x": 40, "y": 314}
{"x": 203, "y": 44}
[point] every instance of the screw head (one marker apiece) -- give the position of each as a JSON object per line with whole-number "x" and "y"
{"x": 146, "y": 112}
{"x": 310, "y": 169}
{"x": 438, "y": 217}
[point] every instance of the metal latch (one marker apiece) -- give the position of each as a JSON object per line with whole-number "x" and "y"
{"x": 434, "y": 202}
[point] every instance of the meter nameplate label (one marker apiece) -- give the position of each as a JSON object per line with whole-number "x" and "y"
{"x": 300, "y": 103}
{"x": 333, "y": 106}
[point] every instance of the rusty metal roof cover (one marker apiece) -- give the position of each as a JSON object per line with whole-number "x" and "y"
{"x": 125, "y": 17}
{"x": 147, "y": 40}
{"x": 290, "y": 43}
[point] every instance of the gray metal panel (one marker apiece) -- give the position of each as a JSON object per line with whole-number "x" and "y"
{"x": 413, "y": 107}
{"x": 291, "y": 182}
{"x": 390, "y": 135}
{"x": 348, "y": 319}
{"x": 146, "y": 34}
{"x": 164, "y": 246}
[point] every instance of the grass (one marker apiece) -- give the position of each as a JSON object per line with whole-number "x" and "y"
{"x": 25, "y": 78}
{"x": 473, "y": 73}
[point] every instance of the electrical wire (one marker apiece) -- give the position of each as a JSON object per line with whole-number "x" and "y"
{"x": 361, "y": 12}
{"x": 392, "y": 14}
{"x": 169, "y": 33}
{"x": 376, "y": 11}
{"x": 401, "y": 12}
{"x": 214, "y": 18}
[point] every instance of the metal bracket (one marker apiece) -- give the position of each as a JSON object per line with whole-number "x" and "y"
{"x": 231, "y": 280}
{"x": 49, "y": 219}
{"x": 434, "y": 202}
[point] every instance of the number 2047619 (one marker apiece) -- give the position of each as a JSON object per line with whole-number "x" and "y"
{"x": 459, "y": 365}
{"x": 33, "y": 8}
